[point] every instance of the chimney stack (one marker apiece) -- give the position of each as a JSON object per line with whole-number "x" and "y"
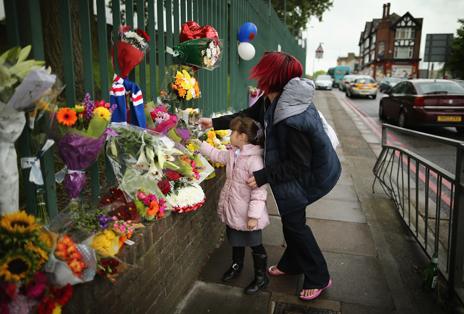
{"x": 386, "y": 10}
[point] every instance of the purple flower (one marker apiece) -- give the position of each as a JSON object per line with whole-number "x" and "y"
{"x": 89, "y": 105}
{"x": 104, "y": 221}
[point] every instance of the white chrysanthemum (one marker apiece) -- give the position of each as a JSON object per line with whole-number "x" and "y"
{"x": 186, "y": 196}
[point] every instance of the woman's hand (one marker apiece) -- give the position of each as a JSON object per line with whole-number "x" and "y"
{"x": 206, "y": 123}
{"x": 252, "y": 223}
{"x": 252, "y": 182}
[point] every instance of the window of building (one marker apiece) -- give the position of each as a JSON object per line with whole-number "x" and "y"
{"x": 372, "y": 55}
{"x": 405, "y": 33}
{"x": 366, "y": 59}
{"x": 381, "y": 49}
{"x": 403, "y": 52}
{"x": 373, "y": 41}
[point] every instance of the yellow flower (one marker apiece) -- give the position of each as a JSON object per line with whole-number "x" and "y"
{"x": 102, "y": 112}
{"x": 211, "y": 135}
{"x": 46, "y": 238}
{"x": 15, "y": 267}
{"x": 19, "y": 222}
{"x": 106, "y": 243}
{"x": 57, "y": 309}
{"x": 38, "y": 251}
{"x": 79, "y": 108}
{"x": 222, "y": 133}
{"x": 191, "y": 147}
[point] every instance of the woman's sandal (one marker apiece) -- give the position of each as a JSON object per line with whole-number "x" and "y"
{"x": 274, "y": 271}
{"x": 317, "y": 292}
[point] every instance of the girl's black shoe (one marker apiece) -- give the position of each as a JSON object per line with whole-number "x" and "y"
{"x": 232, "y": 272}
{"x": 261, "y": 281}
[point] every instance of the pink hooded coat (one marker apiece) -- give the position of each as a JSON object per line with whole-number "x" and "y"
{"x": 238, "y": 201}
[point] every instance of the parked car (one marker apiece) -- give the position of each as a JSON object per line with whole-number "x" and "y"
{"x": 362, "y": 86}
{"x": 387, "y": 83}
{"x": 460, "y": 82}
{"x": 346, "y": 80}
{"x": 324, "y": 82}
{"x": 425, "y": 102}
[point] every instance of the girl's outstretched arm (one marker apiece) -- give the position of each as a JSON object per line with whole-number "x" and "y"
{"x": 214, "y": 154}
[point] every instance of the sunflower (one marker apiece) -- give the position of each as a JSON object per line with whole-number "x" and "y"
{"x": 103, "y": 113}
{"x": 39, "y": 252}
{"x": 66, "y": 116}
{"x": 20, "y": 223}
{"x": 15, "y": 267}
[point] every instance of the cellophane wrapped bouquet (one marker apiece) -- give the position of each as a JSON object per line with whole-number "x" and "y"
{"x": 155, "y": 172}
{"x": 81, "y": 131}
{"x": 22, "y": 84}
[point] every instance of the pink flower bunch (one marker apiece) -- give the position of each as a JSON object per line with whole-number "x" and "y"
{"x": 162, "y": 119}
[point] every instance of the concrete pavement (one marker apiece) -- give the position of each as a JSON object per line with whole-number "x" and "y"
{"x": 375, "y": 264}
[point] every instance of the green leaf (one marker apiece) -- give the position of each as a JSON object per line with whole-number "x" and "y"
{"x": 10, "y": 55}
{"x": 24, "y": 53}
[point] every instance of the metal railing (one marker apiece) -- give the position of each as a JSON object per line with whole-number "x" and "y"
{"x": 429, "y": 198}
{"x": 222, "y": 88}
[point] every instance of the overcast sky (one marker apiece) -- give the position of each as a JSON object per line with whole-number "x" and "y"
{"x": 341, "y": 26}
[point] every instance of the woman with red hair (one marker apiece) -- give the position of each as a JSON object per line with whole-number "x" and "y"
{"x": 300, "y": 165}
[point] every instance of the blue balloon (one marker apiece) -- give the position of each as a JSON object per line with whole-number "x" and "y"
{"x": 247, "y": 32}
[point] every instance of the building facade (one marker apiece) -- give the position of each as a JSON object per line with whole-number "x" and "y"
{"x": 390, "y": 46}
{"x": 350, "y": 60}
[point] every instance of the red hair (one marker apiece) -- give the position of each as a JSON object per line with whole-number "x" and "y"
{"x": 274, "y": 70}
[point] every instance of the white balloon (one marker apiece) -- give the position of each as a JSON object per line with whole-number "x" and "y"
{"x": 246, "y": 51}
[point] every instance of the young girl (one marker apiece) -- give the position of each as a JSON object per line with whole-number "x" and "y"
{"x": 241, "y": 208}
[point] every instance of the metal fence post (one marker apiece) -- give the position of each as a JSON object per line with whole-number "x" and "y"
{"x": 384, "y": 134}
{"x": 457, "y": 231}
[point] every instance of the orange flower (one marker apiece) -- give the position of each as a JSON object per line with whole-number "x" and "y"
{"x": 153, "y": 209}
{"x": 66, "y": 116}
{"x": 182, "y": 92}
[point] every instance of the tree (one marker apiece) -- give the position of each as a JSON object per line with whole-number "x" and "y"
{"x": 456, "y": 60}
{"x": 317, "y": 73}
{"x": 298, "y": 12}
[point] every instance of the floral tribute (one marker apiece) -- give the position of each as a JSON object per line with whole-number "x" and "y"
{"x": 82, "y": 131}
{"x": 131, "y": 48}
{"x": 149, "y": 206}
{"x": 181, "y": 86}
{"x": 67, "y": 251}
{"x": 24, "y": 250}
{"x": 199, "y": 46}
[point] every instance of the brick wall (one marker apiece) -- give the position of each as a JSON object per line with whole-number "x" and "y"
{"x": 165, "y": 261}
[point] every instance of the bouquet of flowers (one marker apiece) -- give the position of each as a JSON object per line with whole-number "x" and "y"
{"x": 138, "y": 156}
{"x": 199, "y": 46}
{"x": 71, "y": 263}
{"x": 82, "y": 131}
{"x": 186, "y": 199}
{"x": 24, "y": 247}
{"x": 38, "y": 293}
{"x": 22, "y": 84}
{"x": 131, "y": 48}
{"x": 149, "y": 206}
{"x": 181, "y": 85}
{"x": 162, "y": 119}
{"x": 203, "y": 53}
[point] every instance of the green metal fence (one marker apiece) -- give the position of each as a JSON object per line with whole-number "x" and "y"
{"x": 222, "y": 89}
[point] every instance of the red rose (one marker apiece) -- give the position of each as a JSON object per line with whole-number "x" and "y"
{"x": 172, "y": 175}
{"x": 63, "y": 295}
{"x": 143, "y": 34}
{"x": 164, "y": 186}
